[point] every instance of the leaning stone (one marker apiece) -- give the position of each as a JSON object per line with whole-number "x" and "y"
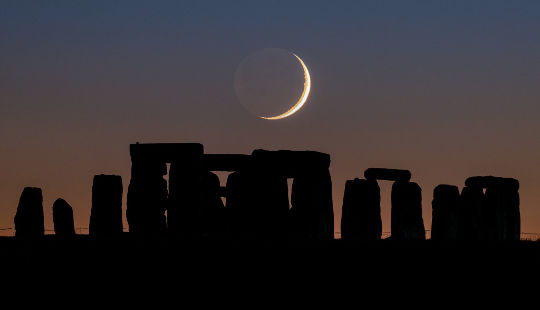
{"x": 361, "y": 211}
{"x": 63, "y": 219}
{"x": 29, "y": 217}
{"x": 387, "y": 174}
{"x": 106, "y": 213}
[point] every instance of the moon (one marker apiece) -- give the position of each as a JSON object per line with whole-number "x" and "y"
{"x": 303, "y": 98}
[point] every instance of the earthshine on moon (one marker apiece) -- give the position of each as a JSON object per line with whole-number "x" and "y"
{"x": 303, "y": 97}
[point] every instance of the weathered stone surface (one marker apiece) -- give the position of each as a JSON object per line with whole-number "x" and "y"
{"x": 471, "y": 214}
{"x": 361, "y": 211}
{"x": 406, "y": 217}
{"x": 445, "y": 206}
{"x": 312, "y": 213}
{"x": 147, "y": 198}
{"x": 490, "y": 181}
{"x": 387, "y": 174}
{"x": 258, "y": 205}
{"x": 29, "y": 216}
{"x": 106, "y": 213}
{"x": 63, "y": 219}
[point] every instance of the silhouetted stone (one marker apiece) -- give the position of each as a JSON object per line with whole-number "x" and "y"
{"x": 387, "y": 174}
{"x": 471, "y": 214}
{"x": 495, "y": 214}
{"x": 406, "y": 218}
{"x": 147, "y": 198}
{"x": 106, "y": 213}
{"x": 361, "y": 212}
{"x": 490, "y": 181}
{"x": 186, "y": 190}
{"x": 258, "y": 204}
{"x": 29, "y": 216}
{"x": 445, "y": 206}
{"x": 211, "y": 218}
{"x": 502, "y": 205}
{"x": 312, "y": 213}
{"x": 63, "y": 219}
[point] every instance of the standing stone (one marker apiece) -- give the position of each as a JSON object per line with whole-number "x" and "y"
{"x": 258, "y": 204}
{"x": 445, "y": 206}
{"x": 29, "y": 217}
{"x": 361, "y": 212}
{"x": 312, "y": 213}
{"x": 211, "y": 216}
{"x": 502, "y": 202}
{"x": 406, "y": 217}
{"x": 106, "y": 213}
{"x": 471, "y": 214}
{"x": 63, "y": 219}
{"x": 186, "y": 184}
{"x": 147, "y": 197}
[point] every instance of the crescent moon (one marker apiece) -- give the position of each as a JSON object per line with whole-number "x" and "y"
{"x": 303, "y": 97}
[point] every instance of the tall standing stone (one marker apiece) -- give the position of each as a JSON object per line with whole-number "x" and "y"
{"x": 258, "y": 204}
{"x": 502, "y": 201}
{"x": 497, "y": 215}
{"x": 312, "y": 214}
{"x": 106, "y": 213}
{"x": 406, "y": 217}
{"x": 186, "y": 191}
{"x": 211, "y": 217}
{"x": 361, "y": 211}
{"x": 29, "y": 217}
{"x": 63, "y": 219}
{"x": 147, "y": 197}
{"x": 471, "y": 214}
{"x": 445, "y": 206}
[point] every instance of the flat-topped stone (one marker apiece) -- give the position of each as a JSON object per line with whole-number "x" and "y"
{"x": 387, "y": 174}
{"x": 490, "y": 181}
{"x": 166, "y": 152}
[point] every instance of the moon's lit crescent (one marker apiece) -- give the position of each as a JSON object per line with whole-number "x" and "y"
{"x": 303, "y": 97}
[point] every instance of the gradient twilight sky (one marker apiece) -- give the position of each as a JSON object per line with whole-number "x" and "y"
{"x": 447, "y": 89}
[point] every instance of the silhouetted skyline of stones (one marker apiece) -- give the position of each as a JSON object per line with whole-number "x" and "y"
{"x": 257, "y": 203}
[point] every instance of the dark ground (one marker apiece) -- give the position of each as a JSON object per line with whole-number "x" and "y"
{"x": 245, "y": 269}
